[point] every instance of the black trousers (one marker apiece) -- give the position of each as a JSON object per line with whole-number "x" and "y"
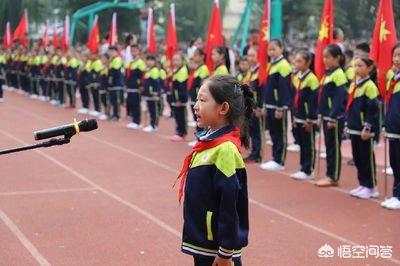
{"x": 61, "y": 91}
{"x": 94, "y": 90}
{"x": 333, "y": 142}
{"x": 105, "y": 101}
{"x": 115, "y": 103}
{"x": 394, "y": 155}
{"x": 152, "y": 106}
{"x": 84, "y": 95}
{"x": 2, "y": 82}
{"x": 133, "y": 106}
{"x": 170, "y": 99}
{"x": 44, "y": 85}
{"x": 70, "y": 87}
{"x": 52, "y": 90}
{"x": 208, "y": 261}
{"x": 278, "y": 133}
{"x": 364, "y": 160}
{"x": 307, "y": 148}
{"x": 181, "y": 120}
{"x": 256, "y": 132}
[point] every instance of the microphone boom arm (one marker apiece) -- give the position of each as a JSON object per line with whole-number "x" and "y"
{"x": 52, "y": 142}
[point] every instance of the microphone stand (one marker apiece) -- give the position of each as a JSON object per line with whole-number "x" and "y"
{"x": 52, "y": 142}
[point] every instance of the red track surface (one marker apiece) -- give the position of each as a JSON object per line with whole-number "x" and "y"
{"x": 106, "y": 199}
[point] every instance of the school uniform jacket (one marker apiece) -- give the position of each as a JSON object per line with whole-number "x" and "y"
{"x": 333, "y": 95}
{"x": 216, "y": 203}
{"x": 278, "y": 92}
{"x": 134, "y": 74}
{"x": 151, "y": 83}
{"x": 256, "y": 88}
{"x": 307, "y": 88}
{"x": 115, "y": 75}
{"x": 364, "y": 108}
{"x": 392, "y": 118}
{"x": 179, "y": 85}
{"x": 220, "y": 70}
{"x": 200, "y": 74}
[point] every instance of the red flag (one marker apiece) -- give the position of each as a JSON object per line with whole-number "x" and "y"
{"x": 214, "y": 35}
{"x": 55, "y": 34}
{"x": 22, "y": 30}
{"x": 171, "y": 39}
{"x": 262, "y": 53}
{"x": 151, "y": 34}
{"x": 325, "y": 37}
{"x": 45, "y": 39}
{"x": 94, "y": 37}
{"x": 383, "y": 40}
{"x": 7, "y": 38}
{"x": 65, "y": 37}
{"x": 113, "y": 36}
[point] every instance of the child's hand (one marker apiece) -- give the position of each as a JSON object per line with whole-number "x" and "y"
{"x": 331, "y": 125}
{"x": 308, "y": 126}
{"x": 222, "y": 262}
{"x": 365, "y": 134}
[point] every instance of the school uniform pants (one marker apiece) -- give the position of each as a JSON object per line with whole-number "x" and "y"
{"x": 333, "y": 142}
{"x": 133, "y": 105}
{"x": 70, "y": 87}
{"x": 295, "y": 130}
{"x": 278, "y": 133}
{"x": 61, "y": 91}
{"x": 2, "y": 82}
{"x": 115, "y": 94}
{"x": 394, "y": 155}
{"x": 94, "y": 90}
{"x": 364, "y": 160}
{"x": 84, "y": 95}
{"x": 104, "y": 98}
{"x": 152, "y": 107}
{"x": 44, "y": 85}
{"x": 307, "y": 148}
{"x": 256, "y": 129}
{"x": 180, "y": 113}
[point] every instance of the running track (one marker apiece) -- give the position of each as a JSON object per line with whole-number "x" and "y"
{"x": 106, "y": 199}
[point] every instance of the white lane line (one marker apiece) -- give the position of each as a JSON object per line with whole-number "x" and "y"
{"x": 23, "y": 239}
{"x": 33, "y": 192}
{"x": 98, "y": 187}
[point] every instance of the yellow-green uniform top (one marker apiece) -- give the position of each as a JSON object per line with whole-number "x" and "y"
{"x": 54, "y": 60}
{"x": 244, "y": 78}
{"x": 350, "y": 73}
{"x": 73, "y": 62}
{"x": 221, "y": 70}
{"x": 44, "y": 59}
{"x": 88, "y": 66}
{"x": 96, "y": 66}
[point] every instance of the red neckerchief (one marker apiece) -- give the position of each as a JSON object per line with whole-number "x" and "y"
{"x": 233, "y": 136}
{"x": 351, "y": 95}
{"x": 392, "y": 84}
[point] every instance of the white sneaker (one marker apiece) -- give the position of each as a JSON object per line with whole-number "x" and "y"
{"x": 300, "y": 175}
{"x": 192, "y": 143}
{"x": 103, "y": 117}
{"x": 393, "y": 204}
{"x": 293, "y": 147}
{"x": 269, "y": 142}
{"x": 42, "y": 98}
{"x": 366, "y": 193}
{"x": 82, "y": 110}
{"x": 94, "y": 113}
{"x": 192, "y": 124}
{"x": 272, "y": 166}
{"x": 1, "y": 100}
{"x": 387, "y": 201}
{"x": 355, "y": 191}
{"x": 34, "y": 96}
{"x": 149, "y": 128}
{"x": 322, "y": 155}
{"x": 133, "y": 126}
{"x": 388, "y": 170}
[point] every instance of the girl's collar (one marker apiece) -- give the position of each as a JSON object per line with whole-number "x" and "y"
{"x": 207, "y": 134}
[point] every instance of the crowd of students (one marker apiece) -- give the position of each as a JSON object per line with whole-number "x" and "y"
{"x": 345, "y": 104}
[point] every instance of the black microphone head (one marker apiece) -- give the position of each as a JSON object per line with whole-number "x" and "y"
{"x": 88, "y": 125}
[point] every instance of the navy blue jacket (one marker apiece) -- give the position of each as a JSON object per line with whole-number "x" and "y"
{"x": 216, "y": 203}
{"x": 392, "y": 118}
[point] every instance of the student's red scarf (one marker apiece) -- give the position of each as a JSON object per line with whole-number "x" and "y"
{"x": 389, "y": 94}
{"x": 233, "y": 136}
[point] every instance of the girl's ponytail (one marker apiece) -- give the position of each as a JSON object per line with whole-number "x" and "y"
{"x": 248, "y": 101}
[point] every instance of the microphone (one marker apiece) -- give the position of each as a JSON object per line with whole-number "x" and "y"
{"x": 66, "y": 130}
